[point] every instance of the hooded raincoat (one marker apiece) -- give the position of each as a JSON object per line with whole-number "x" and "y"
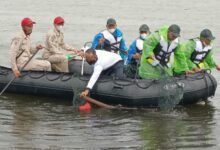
{"x": 147, "y": 70}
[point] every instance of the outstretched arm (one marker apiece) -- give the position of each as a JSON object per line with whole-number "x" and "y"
{"x": 96, "y": 73}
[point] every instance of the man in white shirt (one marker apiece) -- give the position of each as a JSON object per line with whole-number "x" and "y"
{"x": 104, "y": 62}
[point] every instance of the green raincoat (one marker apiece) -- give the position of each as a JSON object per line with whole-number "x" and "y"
{"x": 146, "y": 70}
{"x": 188, "y": 49}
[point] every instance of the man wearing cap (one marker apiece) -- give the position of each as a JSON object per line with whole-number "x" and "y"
{"x": 57, "y": 52}
{"x": 198, "y": 52}
{"x": 21, "y": 50}
{"x": 135, "y": 51}
{"x": 111, "y": 39}
{"x": 157, "y": 52}
{"x": 110, "y": 65}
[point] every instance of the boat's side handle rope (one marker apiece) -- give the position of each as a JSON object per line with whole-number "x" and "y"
{"x": 145, "y": 87}
{"x": 53, "y": 79}
{"x": 207, "y": 86}
{"x": 116, "y": 81}
{"x": 99, "y": 80}
{"x": 67, "y": 78}
{"x": 5, "y": 72}
{"x": 210, "y": 78}
{"x": 30, "y": 74}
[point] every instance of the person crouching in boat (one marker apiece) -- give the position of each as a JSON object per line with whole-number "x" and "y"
{"x": 110, "y": 39}
{"x": 21, "y": 51}
{"x": 198, "y": 52}
{"x": 135, "y": 51}
{"x": 157, "y": 52}
{"x": 57, "y": 52}
{"x": 105, "y": 63}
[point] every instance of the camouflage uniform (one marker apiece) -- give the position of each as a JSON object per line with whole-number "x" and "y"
{"x": 21, "y": 51}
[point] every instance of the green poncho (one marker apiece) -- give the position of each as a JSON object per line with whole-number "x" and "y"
{"x": 188, "y": 49}
{"x": 146, "y": 70}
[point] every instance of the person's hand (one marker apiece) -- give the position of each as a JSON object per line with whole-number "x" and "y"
{"x": 196, "y": 69}
{"x": 218, "y": 67}
{"x": 153, "y": 62}
{"x": 137, "y": 56}
{"x": 125, "y": 52}
{"x": 101, "y": 41}
{"x": 75, "y": 50}
{"x": 189, "y": 72}
{"x": 17, "y": 73}
{"x": 84, "y": 93}
{"x": 39, "y": 47}
{"x": 81, "y": 53}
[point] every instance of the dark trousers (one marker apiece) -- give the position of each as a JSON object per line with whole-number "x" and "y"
{"x": 116, "y": 70}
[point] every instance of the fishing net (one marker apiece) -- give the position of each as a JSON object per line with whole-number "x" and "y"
{"x": 77, "y": 86}
{"x": 130, "y": 70}
{"x": 171, "y": 91}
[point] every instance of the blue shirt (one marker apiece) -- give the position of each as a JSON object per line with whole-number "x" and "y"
{"x": 132, "y": 50}
{"x": 117, "y": 33}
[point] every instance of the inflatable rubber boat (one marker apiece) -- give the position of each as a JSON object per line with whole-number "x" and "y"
{"x": 127, "y": 92}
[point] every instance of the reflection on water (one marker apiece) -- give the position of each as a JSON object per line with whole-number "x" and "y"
{"x": 189, "y": 127}
{"x": 36, "y": 123}
{"x": 28, "y": 122}
{"x": 31, "y": 122}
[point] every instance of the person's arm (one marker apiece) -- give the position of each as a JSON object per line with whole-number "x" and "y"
{"x": 180, "y": 63}
{"x": 14, "y": 52}
{"x": 188, "y": 49}
{"x": 96, "y": 73}
{"x": 123, "y": 45}
{"x": 52, "y": 45}
{"x": 149, "y": 44}
{"x": 95, "y": 42}
{"x": 131, "y": 52}
{"x": 65, "y": 46}
{"x": 33, "y": 50}
{"x": 209, "y": 61}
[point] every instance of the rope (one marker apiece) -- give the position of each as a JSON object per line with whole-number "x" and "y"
{"x": 24, "y": 73}
{"x": 213, "y": 83}
{"x": 200, "y": 76}
{"x": 4, "y": 72}
{"x": 115, "y": 81}
{"x": 36, "y": 77}
{"x": 63, "y": 75}
{"x": 210, "y": 78}
{"x": 207, "y": 87}
{"x": 100, "y": 79}
{"x": 56, "y": 78}
{"x": 146, "y": 87}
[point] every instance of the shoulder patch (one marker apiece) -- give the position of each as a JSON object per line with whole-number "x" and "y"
{"x": 52, "y": 37}
{"x": 16, "y": 40}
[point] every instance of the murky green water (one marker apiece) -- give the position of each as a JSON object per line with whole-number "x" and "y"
{"x": 28, "y": 122}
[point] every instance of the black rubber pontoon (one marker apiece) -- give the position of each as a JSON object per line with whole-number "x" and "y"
{"x": 129, "y": 92}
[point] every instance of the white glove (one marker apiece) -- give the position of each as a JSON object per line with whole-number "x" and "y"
{"x": 168, "y": 65}
{"x": 155, "y": 63}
